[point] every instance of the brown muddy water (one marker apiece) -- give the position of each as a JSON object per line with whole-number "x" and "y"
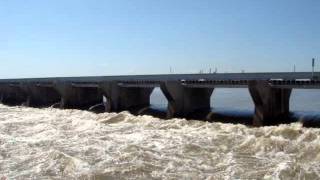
{"x": 71, "y": 144}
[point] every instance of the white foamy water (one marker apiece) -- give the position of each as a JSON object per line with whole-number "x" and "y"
{"x": 72, "y": 144}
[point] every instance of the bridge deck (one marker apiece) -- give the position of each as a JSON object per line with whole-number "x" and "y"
{"x": 175, "y": 77}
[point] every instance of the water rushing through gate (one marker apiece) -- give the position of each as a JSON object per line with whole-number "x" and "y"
{"x": 72, "y": 144}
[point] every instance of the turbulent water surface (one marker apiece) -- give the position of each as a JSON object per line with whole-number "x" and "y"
{"x": 72, "y": 144}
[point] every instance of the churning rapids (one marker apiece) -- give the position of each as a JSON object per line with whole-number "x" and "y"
{"x": 72, "y": 144}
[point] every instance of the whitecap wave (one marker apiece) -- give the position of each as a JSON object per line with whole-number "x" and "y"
{"x": 73, "y": 144}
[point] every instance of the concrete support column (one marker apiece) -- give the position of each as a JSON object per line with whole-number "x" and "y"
{"x": 271, "y": 105}
{"x": 125, "y": 98}
{"x": 41, "y": 96}
{"x": 2, "y": 92}
{"x": 78, "y": 97}
{"x": 183, "y": 101}
{"x": 12, "y": 95}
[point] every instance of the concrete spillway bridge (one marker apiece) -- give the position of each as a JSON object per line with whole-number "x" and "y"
{"x": 186, "y": 93}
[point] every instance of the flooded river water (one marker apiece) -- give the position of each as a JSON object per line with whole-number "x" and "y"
{"x": 71, "y": 144}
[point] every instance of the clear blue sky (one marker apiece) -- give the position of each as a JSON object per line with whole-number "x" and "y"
{"x": 102, "y": 37}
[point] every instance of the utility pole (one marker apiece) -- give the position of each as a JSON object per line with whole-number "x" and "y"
{"x": 313, "y": 64}
{"x": 294, "y": 68}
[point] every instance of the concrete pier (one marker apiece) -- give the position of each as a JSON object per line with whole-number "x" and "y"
{"x": 73, "y": 97}
{"x": 41, "y": 95}
{"x": 271, "y": 104}
{"x": 12, "y": 94}
{"x": 182, "y": 101}
{"x": 125, "y": 98}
